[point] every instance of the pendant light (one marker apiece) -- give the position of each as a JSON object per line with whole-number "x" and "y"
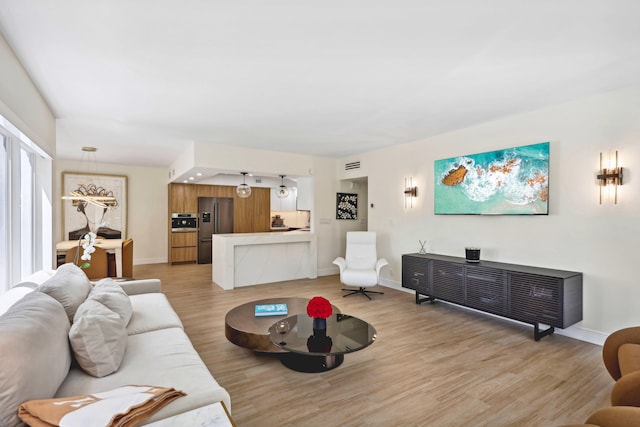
{"x": 243, "y": 190}
{"x": 283, "y": 191}
{"x": 90, "y": 193}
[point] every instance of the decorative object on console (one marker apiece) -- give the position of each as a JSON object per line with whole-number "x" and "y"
{"x": 347, "y": 206}
{"x": 422, "y": 250}
{"x": 610, "y": 177}
{"x": 410, "y": 192}
{"x": 513, "y": 181}
{"x": 472, "y": 254}
{"x": 243, "y": 190}
{"x": 283, "y": 191}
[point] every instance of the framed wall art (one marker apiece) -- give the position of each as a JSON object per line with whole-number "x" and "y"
{"x": 81, "y": 216}
{"x": 347, "y": 206}
{"x": 513, "y": 181}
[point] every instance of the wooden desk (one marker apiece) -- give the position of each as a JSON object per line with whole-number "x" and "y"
{"x": 112, "y": 246}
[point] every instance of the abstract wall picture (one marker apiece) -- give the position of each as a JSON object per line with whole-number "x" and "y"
{"x": 79, "y": 217}
{"x": 347, "y": 206}
{"x": 514, "y": 181}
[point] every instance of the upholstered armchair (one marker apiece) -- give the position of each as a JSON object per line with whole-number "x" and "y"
{"x": 360, "y": 267}
{"x": 621, "y": 355}
{"x": 615, "y": 416}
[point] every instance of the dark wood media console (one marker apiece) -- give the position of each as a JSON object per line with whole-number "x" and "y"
{"x": 528, "y": 294}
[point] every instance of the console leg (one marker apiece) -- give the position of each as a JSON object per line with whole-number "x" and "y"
{"x": 538, "y": 334}
{"x": 426, "y": 299}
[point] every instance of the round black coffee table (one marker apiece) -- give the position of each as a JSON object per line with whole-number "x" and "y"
{"x": 244, "y": 329}
{"x": 318, "y": 350}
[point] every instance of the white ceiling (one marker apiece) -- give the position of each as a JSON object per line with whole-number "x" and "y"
{"x": 140, "y": 78}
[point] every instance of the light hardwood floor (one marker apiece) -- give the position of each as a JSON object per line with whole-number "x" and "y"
{"x": 432, "y": 364}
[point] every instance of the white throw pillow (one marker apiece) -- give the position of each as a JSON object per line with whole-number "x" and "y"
{"x": 69, "y": 286}
{"x": 98, "y": 338}
{"x": 34, "y": 353}
{"x": 110, "y": 294}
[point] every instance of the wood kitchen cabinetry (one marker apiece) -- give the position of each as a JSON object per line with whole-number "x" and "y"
{"x": 184, "y": 246}
{"x": 250, "y": 215}
{"x": 528, "y": 294}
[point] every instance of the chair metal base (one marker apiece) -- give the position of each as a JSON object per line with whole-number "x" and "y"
{"x": 362, "y": 291}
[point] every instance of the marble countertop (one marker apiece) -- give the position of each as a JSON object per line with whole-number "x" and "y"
{"x": 268, "y": 237}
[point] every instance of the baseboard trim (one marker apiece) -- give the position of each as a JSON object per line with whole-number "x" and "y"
{"x": 329, "y": 271}
{"x": 583, "y": 334}
{"x": 150, "y": 261}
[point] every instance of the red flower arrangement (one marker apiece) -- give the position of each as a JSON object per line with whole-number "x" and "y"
{"x": 319, "y": 308}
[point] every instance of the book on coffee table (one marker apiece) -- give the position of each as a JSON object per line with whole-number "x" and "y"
{"x": 271, "y": 310}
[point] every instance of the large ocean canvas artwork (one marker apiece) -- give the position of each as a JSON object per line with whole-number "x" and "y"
{"x": 513, "y": 181}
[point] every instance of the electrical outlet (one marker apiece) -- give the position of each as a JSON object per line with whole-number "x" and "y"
{"x": 391, "y": 272}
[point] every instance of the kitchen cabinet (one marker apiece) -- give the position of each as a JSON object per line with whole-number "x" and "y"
{"x": 528, "y": 294}
{"x": 304, "y": 196}
{"x": 250, "y": 215}
{"x": 283, "y": 204}
{"x": 184, "y": 247}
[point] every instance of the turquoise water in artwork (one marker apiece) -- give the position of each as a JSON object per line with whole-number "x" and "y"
{"x": 514, "y": 181}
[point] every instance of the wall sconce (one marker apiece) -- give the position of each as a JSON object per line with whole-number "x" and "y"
{"x": 410, "y": 192}
{"x": 610, "y": 177}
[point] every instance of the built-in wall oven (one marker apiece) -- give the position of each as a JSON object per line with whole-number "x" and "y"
{"x": 184, "y": 222}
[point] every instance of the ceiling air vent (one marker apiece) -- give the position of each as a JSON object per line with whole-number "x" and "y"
{"x": 351, "y": 166}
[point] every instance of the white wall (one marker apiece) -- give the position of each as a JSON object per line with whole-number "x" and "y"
{"x": 359, "y": 187}
{"x": 323, "y": 215}
{"x": 237, "y": 159}
{"x": 22, "y": 104}
{"x": 579, "y": 234}
{"x": 147, "y": 217}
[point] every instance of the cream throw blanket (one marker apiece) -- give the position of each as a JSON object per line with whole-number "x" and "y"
{"x": 124, "y": 406}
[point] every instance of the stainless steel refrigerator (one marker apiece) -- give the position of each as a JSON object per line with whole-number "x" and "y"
{"x": 215, "y": 216}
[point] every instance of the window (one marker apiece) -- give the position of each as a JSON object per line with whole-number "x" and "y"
{"x": 4, "y": 214}
{"x": 27, "y": 248}
{"x": 25, "y": 220}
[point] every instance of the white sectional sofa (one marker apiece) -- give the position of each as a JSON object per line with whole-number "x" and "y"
{"x": 37, "y": 325}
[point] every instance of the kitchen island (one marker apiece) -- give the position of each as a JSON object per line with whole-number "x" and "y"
{"x": 245, "y": 259}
